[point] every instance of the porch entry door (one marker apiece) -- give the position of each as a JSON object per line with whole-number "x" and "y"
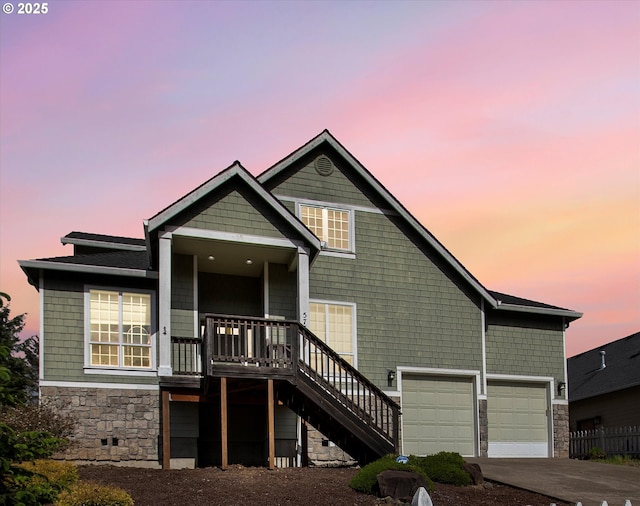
{"x": 437, "y": 414}
{"x": 518, "y": 420}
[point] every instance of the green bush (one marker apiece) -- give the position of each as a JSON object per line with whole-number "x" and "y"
{"x": 17, "y": 447}
{"x": 443, "y": 467}
{"x": 60, "y": 474}
{"x": 366, "y": 479}
{"x": 92, "y": 494}
{"x": 597, "y": 453}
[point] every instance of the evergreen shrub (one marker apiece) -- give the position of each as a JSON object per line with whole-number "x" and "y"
{"x": 92, "y": 494}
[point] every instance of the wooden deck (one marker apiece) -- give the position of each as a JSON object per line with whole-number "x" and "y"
{"x": 301, "y": 371}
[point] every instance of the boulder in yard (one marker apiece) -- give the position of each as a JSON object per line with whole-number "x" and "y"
{"x": 400, "y": 484}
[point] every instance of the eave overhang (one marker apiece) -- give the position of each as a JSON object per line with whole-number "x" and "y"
{"x": 76, "y": 241}
{"x": 567, "y": 314}
{"x": 32, "y": 269}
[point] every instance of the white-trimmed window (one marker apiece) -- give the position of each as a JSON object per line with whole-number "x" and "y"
{"x": 119, "y": 329}
{"x": 332, "y": 226}
{"x": 335, "y": 324}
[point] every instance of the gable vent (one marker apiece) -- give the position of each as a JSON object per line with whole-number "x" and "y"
{"x": 324, "y": 166}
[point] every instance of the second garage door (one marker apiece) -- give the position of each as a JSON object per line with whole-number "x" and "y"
{"x": 517, "y": 416}
{"x": 437, "y": 415}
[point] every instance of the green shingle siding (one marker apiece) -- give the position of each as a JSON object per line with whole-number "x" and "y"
{"x": 308, "y": 184}
{"x": 182, "y": 303}
{"x": 409, "y": 312}
{"x": 235, "y": 213}
{"x": 282, "y": 292}
{"x": 63, "y": 339}
{"x": 525, "y": 346}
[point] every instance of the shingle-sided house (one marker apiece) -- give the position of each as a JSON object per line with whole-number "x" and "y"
{"x": 604, "y": 386}
{"x": 256, "y": 309}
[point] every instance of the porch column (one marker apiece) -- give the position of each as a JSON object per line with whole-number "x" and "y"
{"x": 166, "y": 431}
{"x": 271, "y": 423}
{"x": 303, "y": 287}
{"x": 164, "y": 305}
{"x": 223, "y": 423}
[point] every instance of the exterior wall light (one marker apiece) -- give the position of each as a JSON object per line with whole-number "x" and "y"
{"x": 391, "y": 375}
{"x": 561, "y": 386}
{"x": 249, "y": 261}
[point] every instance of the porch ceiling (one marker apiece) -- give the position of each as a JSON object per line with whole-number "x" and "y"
{"x": 230, "y": 257}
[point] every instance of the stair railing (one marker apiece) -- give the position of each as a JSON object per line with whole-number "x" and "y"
{"x": 348, "y": 386}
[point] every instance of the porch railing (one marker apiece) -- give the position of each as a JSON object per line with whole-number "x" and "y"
{"x": 290, "y": 348}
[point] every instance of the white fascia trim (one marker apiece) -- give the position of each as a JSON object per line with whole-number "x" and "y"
{"x": 90, "y": 269}
{"x": 103, "y": 244}
{"x": 539, "y": 310}
{"x": 41, "y": 340}
{"x": 214, "y": 235}
{"x": 193, "y": 197}
{"x": 559, "y": 402}
{"x": 121, "y": 372}
{"x": 483, "y": 322}
{"x": 86, "y": 384}
{"x": 325, "y": 136}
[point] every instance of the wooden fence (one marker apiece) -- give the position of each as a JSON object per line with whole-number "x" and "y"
{"x": 611, "y": 441}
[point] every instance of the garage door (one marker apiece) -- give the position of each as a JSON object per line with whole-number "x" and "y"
{"x": 517, "y": 416}
{"x": 437, "y": 415}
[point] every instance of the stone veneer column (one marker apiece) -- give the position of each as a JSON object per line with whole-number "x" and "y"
{"x": 113, "y": 424}
{"x": 561, "y": 431}
{"x": 325, "y": 456}
{"x": 484, "y": 427}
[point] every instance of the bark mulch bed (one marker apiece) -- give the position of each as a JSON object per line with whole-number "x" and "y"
{"x": 240, "y": 486}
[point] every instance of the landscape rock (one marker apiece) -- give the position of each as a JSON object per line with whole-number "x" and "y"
{"x": 475, "y": 472}
{"x": 400, "y": 484}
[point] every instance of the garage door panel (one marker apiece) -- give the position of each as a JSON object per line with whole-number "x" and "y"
{"x": 517, "y": 418}
{"x": 438, "y": 414}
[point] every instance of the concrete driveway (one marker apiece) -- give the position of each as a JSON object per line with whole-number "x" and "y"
{"x": 567, "y": 480}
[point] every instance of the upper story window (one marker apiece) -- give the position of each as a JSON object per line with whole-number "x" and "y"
{"x": 334, "y": 323}
{"x": 119, "y": 329}
{"x": 332, "y": 226}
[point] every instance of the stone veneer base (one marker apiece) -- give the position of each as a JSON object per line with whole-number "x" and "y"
{"x": 114, "y": 425}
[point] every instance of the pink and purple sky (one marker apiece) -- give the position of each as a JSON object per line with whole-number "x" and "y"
{"x": 511, "y": 130}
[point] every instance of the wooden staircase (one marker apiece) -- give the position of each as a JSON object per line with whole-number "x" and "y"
{"x": 310, "y": 378}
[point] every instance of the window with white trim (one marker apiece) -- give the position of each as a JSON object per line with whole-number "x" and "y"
{"x": 119, "y": 329}
{"x": 334, "y": 323}
{"x": 332, "y": 226}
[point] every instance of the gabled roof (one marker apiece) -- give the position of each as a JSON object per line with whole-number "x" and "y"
{"x": 494, "y": 299}
{"x": 238, "y": 174}
{"x": 587, "y": 378}
{"x": 393, "y": 204}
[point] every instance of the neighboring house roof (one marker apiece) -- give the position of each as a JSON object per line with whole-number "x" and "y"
{"x": 587, "y": 378}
